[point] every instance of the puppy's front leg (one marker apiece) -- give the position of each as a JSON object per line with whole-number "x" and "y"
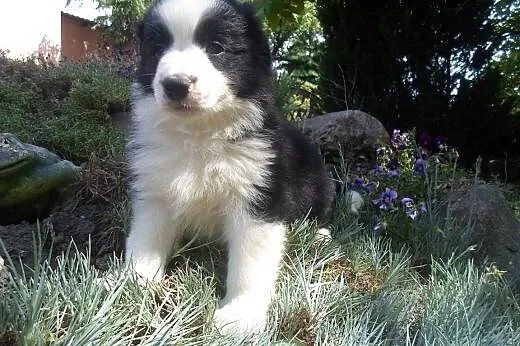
{"x": 255, "y": 251}
{"x": 151, "y": 239}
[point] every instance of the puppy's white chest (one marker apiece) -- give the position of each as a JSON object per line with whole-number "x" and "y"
{"x": 211, "y": 174}
{"x": 205, "y": 172}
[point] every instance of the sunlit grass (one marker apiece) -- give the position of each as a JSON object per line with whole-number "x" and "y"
{"x": 355, "y": 290}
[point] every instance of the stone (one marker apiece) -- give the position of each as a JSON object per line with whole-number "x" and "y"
{"x": 357, "y": 133}
{"x": 4, "y": 273}
{"x": 496, "y": 230}
{"x": 31, "y": 179}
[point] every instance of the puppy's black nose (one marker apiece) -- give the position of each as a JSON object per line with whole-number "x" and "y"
{"x": 177, "y": 86}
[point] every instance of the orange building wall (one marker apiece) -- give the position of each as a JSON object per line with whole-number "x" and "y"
{"x": 79, "y": 39}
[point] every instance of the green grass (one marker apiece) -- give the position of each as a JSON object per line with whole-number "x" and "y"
{"x": 354, "y": 290}
{"x": 64, "y": 108}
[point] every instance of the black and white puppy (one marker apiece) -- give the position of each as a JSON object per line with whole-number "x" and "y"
{"x": 212, "y": 156}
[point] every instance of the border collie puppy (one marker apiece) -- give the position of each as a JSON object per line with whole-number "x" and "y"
{"x": 211, "y": 154}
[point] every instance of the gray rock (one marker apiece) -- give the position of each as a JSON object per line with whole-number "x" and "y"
{"x": 4, "y": 273}
{"x": 496, "y": 230}
{"x": 32, "y": 179}
{"x": 357, "y": 133}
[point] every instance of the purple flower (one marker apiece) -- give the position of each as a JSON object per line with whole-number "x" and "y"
{"x": 386, "y": 200}
{"x": 378, "y": 169}
{"x": 358, "y": 183}
{"x": 409, "y": 207}
{"x": 389, "y": 195}
{"x": 408, "y": 202}
{"x": 420, "y": 167}
{"x": 394, "y": 173}
{"x": 399, "y": 141}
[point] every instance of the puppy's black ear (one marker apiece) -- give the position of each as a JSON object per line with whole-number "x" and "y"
{"x": 256, "y": 34}
{"x": 249, "y": 11}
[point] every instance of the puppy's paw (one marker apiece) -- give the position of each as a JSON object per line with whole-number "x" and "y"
{"x": 147, "y": 272}
{"x": 240, "y": 317}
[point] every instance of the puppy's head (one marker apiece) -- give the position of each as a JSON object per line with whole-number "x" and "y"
{"x": 201, "y": 56}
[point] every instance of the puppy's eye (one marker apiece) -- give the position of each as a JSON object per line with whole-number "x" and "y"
{"x": 214, "y": 48}
{"x": 159, "y": 50}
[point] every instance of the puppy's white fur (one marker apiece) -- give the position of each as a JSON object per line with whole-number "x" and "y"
{"x": 182, "y": 17}
{"x": 192, "y": 177}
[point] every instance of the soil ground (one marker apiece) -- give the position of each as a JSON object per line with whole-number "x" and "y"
{"x": 86, "y": 225}
{"x": 90, "y": 223}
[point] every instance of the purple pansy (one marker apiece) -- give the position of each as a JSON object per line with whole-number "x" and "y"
{"x": 378, "y": 169}
{"x": 389, "y": 195}
{"x": 386, "y": 200}
{"x": 393, "y": 173}
{"x": 398, "y": 140}
{"x": 407, "y": 202}
{"x": 409, "y": 207}
{"x": 358, "y": 183}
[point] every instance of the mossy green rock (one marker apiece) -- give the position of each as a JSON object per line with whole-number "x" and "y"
{"x": 28, "y": 172}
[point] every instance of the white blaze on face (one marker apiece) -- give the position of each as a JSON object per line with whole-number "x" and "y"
{"x": 210, "y": 90}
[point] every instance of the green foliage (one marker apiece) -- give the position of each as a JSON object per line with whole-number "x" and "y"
{"x": 99, "y": 94}
{"x": 123, "y": 18}
{"x": 297, "y": 48}
{"x": 510, "y": 71}
{"x": 420, "y": 64}
{"x": 63, "y": 108}
{"x": 508, "y": 25}
{"x": 280, "y": 14}
{"x": 294, "y": 97}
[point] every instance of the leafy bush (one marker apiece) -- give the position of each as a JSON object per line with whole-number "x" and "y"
{"x": 297, "y": 48}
